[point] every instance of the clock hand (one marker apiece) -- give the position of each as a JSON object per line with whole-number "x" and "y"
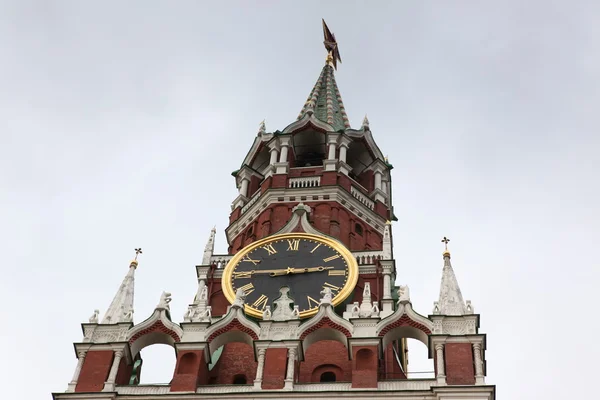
{"x": 259, "y": 271}
{"x": 298, "y": 270}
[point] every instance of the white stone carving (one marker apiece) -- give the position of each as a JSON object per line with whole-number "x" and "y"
{"x": 266, "y": 316}
{"x": 240, "y": 298}
{"x": 436, "y": 308}
{"x": 403, "y": 295}
{"x": 470, "y": 309}
{"x": 355, "y": 310}
{"x": 128, "y": 316}
{"x": 296, "y": 312}
{"x": 202, "y": 293}
{"x": 209, "y": 248}
{"x": 94, "y": 318}
{"x": 375, "y": 311}
{"x": 165, "y": 299}
{"x": 283, "y": 305}
{"x": 327, "y": 296}
{"x": 366, "y": 307}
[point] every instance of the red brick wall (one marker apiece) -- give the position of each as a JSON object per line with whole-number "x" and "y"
{"x": 275, "y": 368}
{"x": 124, "y": 372}
{"x": 95, "y": 370}
{"x": 217, "y": 300}
{"x": 391, "y": 369}
{"x": 328, "y": 217}
{"x": 190, "y": 371}
{"x": 364, "y": 367}
{"x": 459, "y": 364}
{"x": 236, "y": 359}
{"x": 323, "y": 356}
{"x": 376, "y": 287}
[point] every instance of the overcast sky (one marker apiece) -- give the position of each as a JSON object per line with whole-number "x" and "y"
{"x": 120, "y": 123}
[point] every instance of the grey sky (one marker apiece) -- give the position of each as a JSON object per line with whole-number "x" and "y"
{"x": 120, "y": 123}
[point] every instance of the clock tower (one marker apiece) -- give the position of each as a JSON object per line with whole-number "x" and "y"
{"x": 304, "y": 302}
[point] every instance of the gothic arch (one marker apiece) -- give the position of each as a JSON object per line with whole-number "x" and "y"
{"x": 158, "y": 329}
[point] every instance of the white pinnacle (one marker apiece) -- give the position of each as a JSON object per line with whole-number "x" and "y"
{"x": 451, "y": 301}
{"x": 122, "y": 303}
{"x": 210, "y": 247}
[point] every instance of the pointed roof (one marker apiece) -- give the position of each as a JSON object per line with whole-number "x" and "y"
{"x": 451, "y": 301}
{"x": 210, "y": 247}
{"x": 122, "y": 303}
{"x": 325, "y": 101}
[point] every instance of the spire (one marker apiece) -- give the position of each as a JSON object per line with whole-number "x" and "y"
{"x": 365, "y": 123}
{"x": 451, "y": 301}
{"x": 210, "y": 247}
{"x": 121, "y": 307}
{"x": 325, "y": 101}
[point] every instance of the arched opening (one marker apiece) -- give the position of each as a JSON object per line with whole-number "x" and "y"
{"x": 358, "y": 229}
{"x": 327, "y": 377}
{"x": 418, "y": 363}
{"x": 309, "y": 148}
{"x": 159, "y": 363}
{"x": 239, "y": 379}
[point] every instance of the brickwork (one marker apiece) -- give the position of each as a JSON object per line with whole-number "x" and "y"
{"x": 124, "y": 372}
{"x": 190, "y": 371}
{"x": 325, "y": 356}
{"x": 275, "y": 368}
{"x": 459, "y": 364}
{"x": 236, "y": 359}
{"x": 364, "y": 367}
{"x": 95, "y": 370}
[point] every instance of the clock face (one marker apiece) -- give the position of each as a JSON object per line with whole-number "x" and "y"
{"x": 304, "y": 263}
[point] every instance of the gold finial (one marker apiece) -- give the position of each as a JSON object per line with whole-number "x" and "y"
{"x": 445, "y": 240}
{"x": 138, "y": 251}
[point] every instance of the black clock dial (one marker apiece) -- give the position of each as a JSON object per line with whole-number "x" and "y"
{"x": 305, "y": 266}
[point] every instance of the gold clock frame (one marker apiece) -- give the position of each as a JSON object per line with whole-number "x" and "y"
{"x": 343, "y": 294}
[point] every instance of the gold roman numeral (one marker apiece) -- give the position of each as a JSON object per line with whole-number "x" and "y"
{"x": 330, "y": 286}
{"x": 248, "y": 259}
{"x": 241, "y": 275}
{"x": 338, "y": 272}
{"x": 293, "y": 244}
{"x": 261, "y": 302}
{"x": 311, "y": 301}
{"x": 249, "y": 288}
{"x": 316, "y": 247}
{"x": 269, "y": 248}
{"x": 331, "y": 258}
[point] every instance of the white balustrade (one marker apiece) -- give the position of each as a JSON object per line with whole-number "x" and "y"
{"x": 305, "y": 182}
{"x": 367, "y": 257}
{"x": 362, "y": 198}
{"x": 220, "y": 260}
{"x": 251, "y": 202}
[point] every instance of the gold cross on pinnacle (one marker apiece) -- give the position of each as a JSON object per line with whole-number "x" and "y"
{"x": 138, "y": 251}
{"x": 445, "y": 240}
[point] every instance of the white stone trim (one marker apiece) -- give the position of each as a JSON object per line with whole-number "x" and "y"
{"x": 232, "y": 314}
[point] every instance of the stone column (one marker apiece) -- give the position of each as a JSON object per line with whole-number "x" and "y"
{"x": 386, "y": 286}
{"x": 73, "y": 383}
{"x": 479, "y": 378}
{"x": 109, "y": 385}
{"x": 259, "y": 368}
{"x": 244, "y": 187}
{"x": 284, "y": 153}
{"x": 289, "y": 378}
{"x": 378, "y": 180}
{"x": 273, "y": 156}
{"x": 331, "y": 155}
{"x": 343, "y": 149}
{"x": 441, "y": 372}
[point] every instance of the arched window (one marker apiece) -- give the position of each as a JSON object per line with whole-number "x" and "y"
{"x": 239, "y": 379}
{"x": 327, "y": 377}
{"x": 358, "y": 229}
